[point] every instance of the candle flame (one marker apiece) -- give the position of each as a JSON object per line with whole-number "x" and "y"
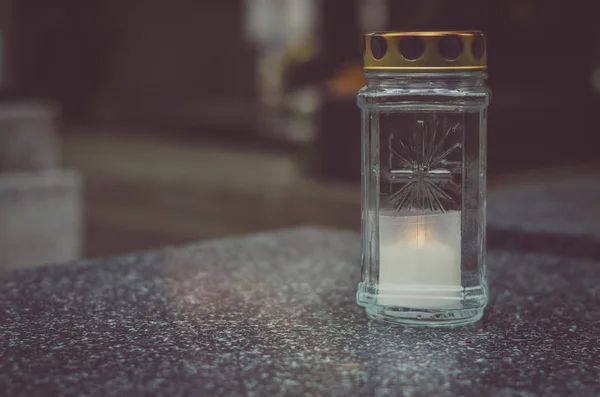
{"x": 420, "y": 232}
{"x": 417, "y": 233}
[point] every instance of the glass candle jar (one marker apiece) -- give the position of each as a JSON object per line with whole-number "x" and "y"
{"x": 424, "y": 178}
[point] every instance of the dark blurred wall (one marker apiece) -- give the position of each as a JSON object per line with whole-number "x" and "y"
{"x": 339, "y": 118}
{"x": 139, "y": 61}
{"x": 340, "y": 31}
{"x": 181, "y": 56}
{"x": 5, "y": 34}
{"x": 61, "y": 50}
{"x": 541, "y": 60}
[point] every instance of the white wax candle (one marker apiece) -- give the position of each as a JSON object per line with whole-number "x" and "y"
{"x": 419, "y": 261}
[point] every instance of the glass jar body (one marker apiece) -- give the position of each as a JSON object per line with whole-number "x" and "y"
{"x": 423, "y": 197}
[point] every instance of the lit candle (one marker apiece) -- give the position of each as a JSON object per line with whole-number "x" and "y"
{"x": 419, "y": 261}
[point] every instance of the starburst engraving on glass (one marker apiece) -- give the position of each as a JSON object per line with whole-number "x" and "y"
{"x": 421, "y": 174}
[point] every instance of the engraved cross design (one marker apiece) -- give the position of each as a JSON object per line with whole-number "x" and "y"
{"x": 420, "y": 173}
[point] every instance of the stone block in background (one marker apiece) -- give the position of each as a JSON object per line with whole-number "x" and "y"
{"x": 28, "y": 138}
{"x": 40, "y": 218}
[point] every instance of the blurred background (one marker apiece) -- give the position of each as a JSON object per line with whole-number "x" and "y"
{"x": 127, "y": 125}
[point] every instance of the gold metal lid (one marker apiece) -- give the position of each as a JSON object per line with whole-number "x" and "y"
{"x": 425, "y": 51}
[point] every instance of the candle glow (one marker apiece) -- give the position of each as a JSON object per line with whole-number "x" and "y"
{"x": 420, "y": 261}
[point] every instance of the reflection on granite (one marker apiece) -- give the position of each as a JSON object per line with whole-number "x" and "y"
{"x": 275, "y": 314}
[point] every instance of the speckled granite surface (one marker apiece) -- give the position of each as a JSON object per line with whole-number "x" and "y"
{"x": 274, "y": 314}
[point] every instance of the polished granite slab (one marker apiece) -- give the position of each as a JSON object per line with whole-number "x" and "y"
{"x": 275, "y": 314}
